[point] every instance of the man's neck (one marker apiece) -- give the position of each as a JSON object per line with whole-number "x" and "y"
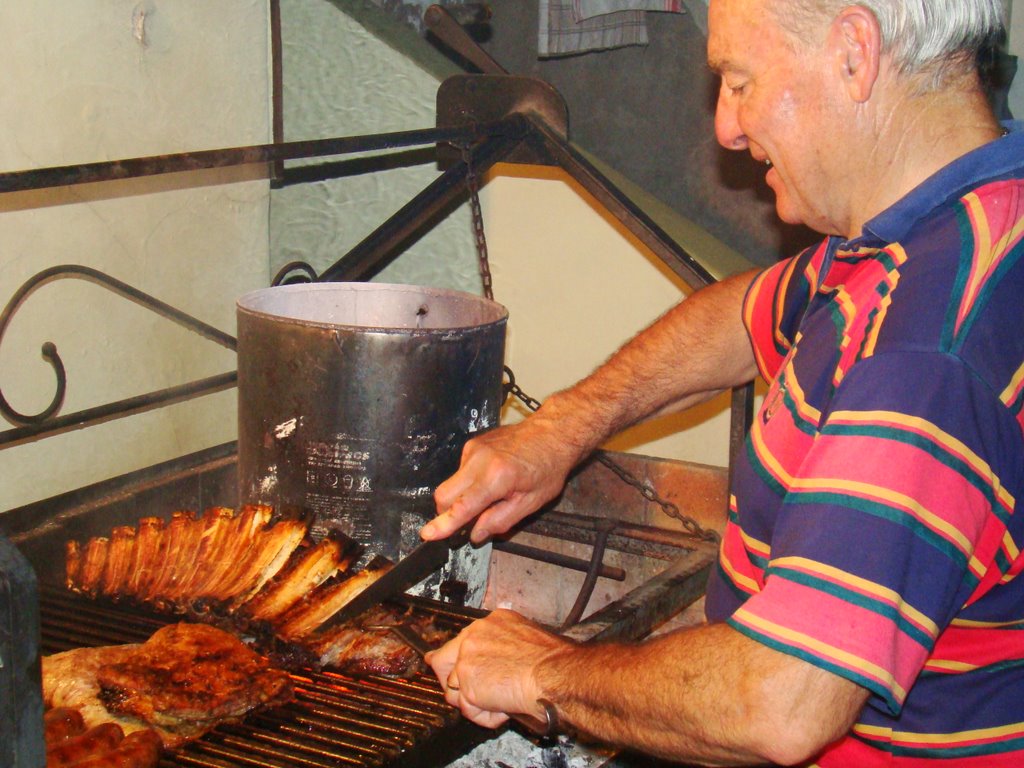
{"x": 914, "y": 137}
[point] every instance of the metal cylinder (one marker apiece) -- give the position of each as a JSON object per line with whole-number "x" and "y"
{"x": 355, "y": 399}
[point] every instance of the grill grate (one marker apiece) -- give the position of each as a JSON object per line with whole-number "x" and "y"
{"x": 334, "y": 720}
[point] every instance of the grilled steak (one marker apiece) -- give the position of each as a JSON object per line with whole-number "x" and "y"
{"x": 69, "y": 680}
{"x": 191, "y": 673}
{"x": 183, "y": 681}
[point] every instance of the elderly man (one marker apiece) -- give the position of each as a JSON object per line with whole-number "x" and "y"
{"x": 866, "y": 609}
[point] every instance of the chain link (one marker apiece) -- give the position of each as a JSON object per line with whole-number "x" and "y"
{"x": 690, "y": 526}
{"x": 511, "y": 388}
{"x": 473, "y": 183}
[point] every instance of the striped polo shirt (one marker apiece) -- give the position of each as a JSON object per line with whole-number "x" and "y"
{"x": 872, "y": 528}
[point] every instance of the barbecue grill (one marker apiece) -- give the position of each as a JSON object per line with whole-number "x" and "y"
{"x": 338, "y": 720}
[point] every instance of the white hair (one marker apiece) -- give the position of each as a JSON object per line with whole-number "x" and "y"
{"x": 935, "y": 39}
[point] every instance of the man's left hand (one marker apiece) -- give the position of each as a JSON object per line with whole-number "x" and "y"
{"x": 488, "y": 669}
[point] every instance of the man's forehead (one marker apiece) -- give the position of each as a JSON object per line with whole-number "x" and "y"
{"x": 733, "y": 26}
{"x": 723, "y": 16}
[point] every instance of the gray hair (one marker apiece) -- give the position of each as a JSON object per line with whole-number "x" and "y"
{"x": 933, "y": 39}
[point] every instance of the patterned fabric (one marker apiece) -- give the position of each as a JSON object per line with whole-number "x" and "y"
{"x": 560, "y": 34}
{"x": 872, "y": 527}
{"x": 569, "y": 27}
{"x": 588, "y": 9}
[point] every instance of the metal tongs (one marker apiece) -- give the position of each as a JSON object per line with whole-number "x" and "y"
{"x": 407, "y": 634}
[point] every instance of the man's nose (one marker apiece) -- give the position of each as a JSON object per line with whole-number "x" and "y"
{"x": 727, "y": 127}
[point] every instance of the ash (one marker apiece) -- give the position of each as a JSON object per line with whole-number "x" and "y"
{"x": 511, "y": 750}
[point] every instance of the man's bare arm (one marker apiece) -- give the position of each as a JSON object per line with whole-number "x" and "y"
{"x": 694, "y": 351}
{"x": 709, "y": 695}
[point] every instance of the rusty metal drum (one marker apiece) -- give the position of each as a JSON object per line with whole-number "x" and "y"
{"x": 355, "y": 399}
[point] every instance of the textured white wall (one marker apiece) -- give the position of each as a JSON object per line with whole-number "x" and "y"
{"x": 341, "y": 80}
{"x": 100, "y": 80}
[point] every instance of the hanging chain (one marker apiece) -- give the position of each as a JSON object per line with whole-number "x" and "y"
{"x": 473, "y": 182}
{"x": 691, "y": 526}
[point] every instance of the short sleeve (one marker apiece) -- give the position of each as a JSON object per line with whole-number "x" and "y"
{"x": 775, "y": 303}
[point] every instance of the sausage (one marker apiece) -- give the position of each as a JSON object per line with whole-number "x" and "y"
{"x": 98, "y": 739}
{"x": 140, "y": 749}
{"x": 61, "y": 723}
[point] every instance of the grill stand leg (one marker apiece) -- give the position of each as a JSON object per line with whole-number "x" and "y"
{"x": 21, "y": 698}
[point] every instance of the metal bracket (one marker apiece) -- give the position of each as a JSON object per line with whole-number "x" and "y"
{"x": 478, "y": 99}
{"x": 47, "y": 422}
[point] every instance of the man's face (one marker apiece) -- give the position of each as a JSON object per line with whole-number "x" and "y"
{"x": 774, "y": 101}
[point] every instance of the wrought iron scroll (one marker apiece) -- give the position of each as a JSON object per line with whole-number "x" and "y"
{"x": 47, "y": 421}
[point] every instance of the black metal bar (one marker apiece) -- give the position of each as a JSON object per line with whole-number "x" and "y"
{"x": 587, "y": 589}
{"x": 330, "y": 170}
{"x": 741, "y": 416}
{"x": 276, "y": 83}
{"x": 34, "y": 425}
{"x": 127, "y": 407}
{"x": 371, "y": 255}
{"x": 445, "y": 26}
{"x": 556, "y": 558}
{"x": 60, "y": 176}
{"x": 633, "y": 542}
{"x": 650, "y": 533}
{"x": 632, "y": 217}
{"x": 650, "y": 604}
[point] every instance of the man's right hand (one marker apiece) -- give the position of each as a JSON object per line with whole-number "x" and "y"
{"x": 505, "y": 475}
{"x": 693, "y": 351}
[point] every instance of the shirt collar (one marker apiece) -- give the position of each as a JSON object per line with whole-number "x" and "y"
{"x": 999, "y": 158}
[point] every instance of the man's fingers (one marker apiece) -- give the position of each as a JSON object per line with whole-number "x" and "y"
{"x": 448, "y": 492}
{"x": 464, "y": 496}
{"x": 443, "y": 526}
{"x": 482, "y": 716}
{"x": 500, "y": 517}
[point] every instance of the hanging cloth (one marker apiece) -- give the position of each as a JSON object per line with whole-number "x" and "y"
{"x": 577, "y": 26}
{"x": 562, "y": 35}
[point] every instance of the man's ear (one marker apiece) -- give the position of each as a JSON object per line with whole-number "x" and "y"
{"x": 855, "y": 41}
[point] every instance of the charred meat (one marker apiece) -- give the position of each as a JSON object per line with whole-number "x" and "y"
{"x": 242, "y": 572}
{"x": 191, "y": 673}
{"x": 183, "y": 681}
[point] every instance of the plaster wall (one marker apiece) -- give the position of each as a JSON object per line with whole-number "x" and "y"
{"x": 91, "y": 81}
{"x": 578, "y": 285}
{"x": 341, "y": 80}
